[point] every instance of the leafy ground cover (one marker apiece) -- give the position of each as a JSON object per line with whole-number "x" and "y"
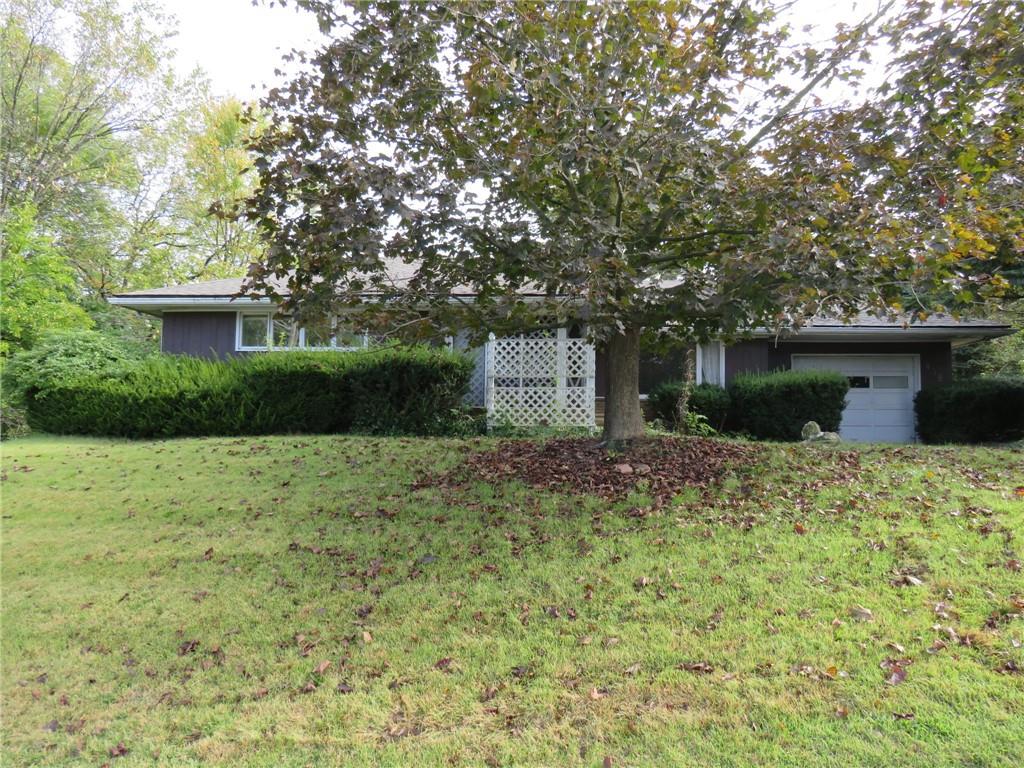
{"x": 294, "y": 601}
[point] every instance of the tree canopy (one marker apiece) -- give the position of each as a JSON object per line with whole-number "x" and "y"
{"x": 658, "y": 165}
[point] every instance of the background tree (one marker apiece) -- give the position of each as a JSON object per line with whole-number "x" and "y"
{"x": 38, "y": 285}
{"x": 115, "y": 161}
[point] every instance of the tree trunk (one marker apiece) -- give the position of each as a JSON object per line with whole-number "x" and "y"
{"x": 623, "y": 419}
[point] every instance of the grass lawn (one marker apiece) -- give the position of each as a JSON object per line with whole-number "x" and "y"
{"x": 290, "y": 601}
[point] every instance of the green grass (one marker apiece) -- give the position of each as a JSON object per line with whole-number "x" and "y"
{"x": 277, "y": 554}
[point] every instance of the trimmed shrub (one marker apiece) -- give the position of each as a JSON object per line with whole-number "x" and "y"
{"x": 380, "y": 391}
{"x": 710, "y": 401}
{"x": 972, "y": 411}
{"x": 775, "y": 406}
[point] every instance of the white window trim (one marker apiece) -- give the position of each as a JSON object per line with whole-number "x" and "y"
{"x": 239, "y": 347}
{"x": 269, "y": 347}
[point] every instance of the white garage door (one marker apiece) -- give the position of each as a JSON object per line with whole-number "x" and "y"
{"x": 880, "y": 403}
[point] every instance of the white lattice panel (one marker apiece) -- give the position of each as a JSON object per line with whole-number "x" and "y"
{"x": 540, "y": 382}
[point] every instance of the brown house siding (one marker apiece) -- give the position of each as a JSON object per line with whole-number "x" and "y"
{"x": 199, "y": 334}
{"x": 766, "y": 355}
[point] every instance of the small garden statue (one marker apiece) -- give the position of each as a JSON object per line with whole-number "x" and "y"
{"x": 811, "y": 433}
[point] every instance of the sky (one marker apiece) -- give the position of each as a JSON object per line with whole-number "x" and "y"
{"x": 238, "y": 45}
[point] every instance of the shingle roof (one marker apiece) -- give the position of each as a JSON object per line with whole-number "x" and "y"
{"x": 229, "y": 288}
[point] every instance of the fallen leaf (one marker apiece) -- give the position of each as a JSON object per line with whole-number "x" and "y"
{"x": 860, "y": 613}
{"x": 897, "y": 669}
{"x": 701, "y": 667}
{"x": 119, "y": 751}
{"x": 187, "y": 647}
{"x": 443, "y": 664}
{"x": 322, "y": 667}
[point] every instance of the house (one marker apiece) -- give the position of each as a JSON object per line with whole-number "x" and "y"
{"x": 560, "y": 378}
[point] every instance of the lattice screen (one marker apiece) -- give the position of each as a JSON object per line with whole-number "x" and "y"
{"x": 540, "y": 382}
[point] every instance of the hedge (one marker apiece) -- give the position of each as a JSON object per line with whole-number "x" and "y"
{"x": 972, "y": 411}
{"x": 710, "y": 401}
{"x": 381, "y": 391}
{"x": 775, "y": 406}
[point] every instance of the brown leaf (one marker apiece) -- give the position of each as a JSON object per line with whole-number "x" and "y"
{"x": 367, "y": 637}
{"x": 903, "y": 715}
{"x": 344, "y": 688}
{"x": 701, "y": 667}
{"x": 187, "y": 647}
{"x": 322, "y": 667}
{"x": 897, "y": 669}
{"x": 800, "y": 529}
{"x": 119, "y": 751}
{"x": 860, "y": 613}
{"x": 444, "y": 664}
{"x": 52, "y": 727}
{"x": 260, "y": 693}
{"x": 598, "y": 693}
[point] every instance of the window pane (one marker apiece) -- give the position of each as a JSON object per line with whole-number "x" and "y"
{"x": 318, "y": 332}
{"x": 254, "y": 330}
{"x": 859, "y": 382}
{"x": 285, "y": 333}
{"x": 346, "y": 337}
{"x": 891, "y": 382}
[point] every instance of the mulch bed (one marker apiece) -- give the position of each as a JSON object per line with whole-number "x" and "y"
{"x": 664, "y": 467}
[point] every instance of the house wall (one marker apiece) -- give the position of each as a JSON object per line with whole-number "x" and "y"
{"x": 762, "y": 355}
{"x": 199, "y": 334}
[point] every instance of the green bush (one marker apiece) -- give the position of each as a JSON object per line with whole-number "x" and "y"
{"x": 972, "y": 411}
{"x": 775, "y": 406}
{"x": 63, "y": 356}
{"x": 707, "y": 400}
{"x": 381, "y": 391}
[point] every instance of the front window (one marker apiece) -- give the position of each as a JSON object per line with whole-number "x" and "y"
{"x": 262, "y": 331}
{"x": 253, "y": 331}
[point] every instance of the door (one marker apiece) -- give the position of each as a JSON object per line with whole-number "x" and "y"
{"x": 880, "y": 403}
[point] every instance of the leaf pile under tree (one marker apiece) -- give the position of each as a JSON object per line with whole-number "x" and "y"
{"x": 660, "y": 469}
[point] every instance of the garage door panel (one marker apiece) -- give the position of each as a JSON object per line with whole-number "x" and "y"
{"x": 881, "y": 407}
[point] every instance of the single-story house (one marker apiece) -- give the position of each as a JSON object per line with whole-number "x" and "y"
{"x": 559, "y": 378}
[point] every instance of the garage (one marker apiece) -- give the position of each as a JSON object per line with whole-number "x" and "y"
{"x": 880, "y": 403}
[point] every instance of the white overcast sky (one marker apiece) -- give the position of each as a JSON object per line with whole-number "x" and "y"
{"x": 238, "y": 45}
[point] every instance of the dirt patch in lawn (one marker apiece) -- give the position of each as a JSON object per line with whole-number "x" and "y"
{"x": 660, "y": 467}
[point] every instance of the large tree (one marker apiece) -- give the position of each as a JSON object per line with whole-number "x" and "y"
{"x": 680, "y": 166}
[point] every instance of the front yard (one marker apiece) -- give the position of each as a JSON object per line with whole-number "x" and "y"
{"x": 293, "y": 601}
